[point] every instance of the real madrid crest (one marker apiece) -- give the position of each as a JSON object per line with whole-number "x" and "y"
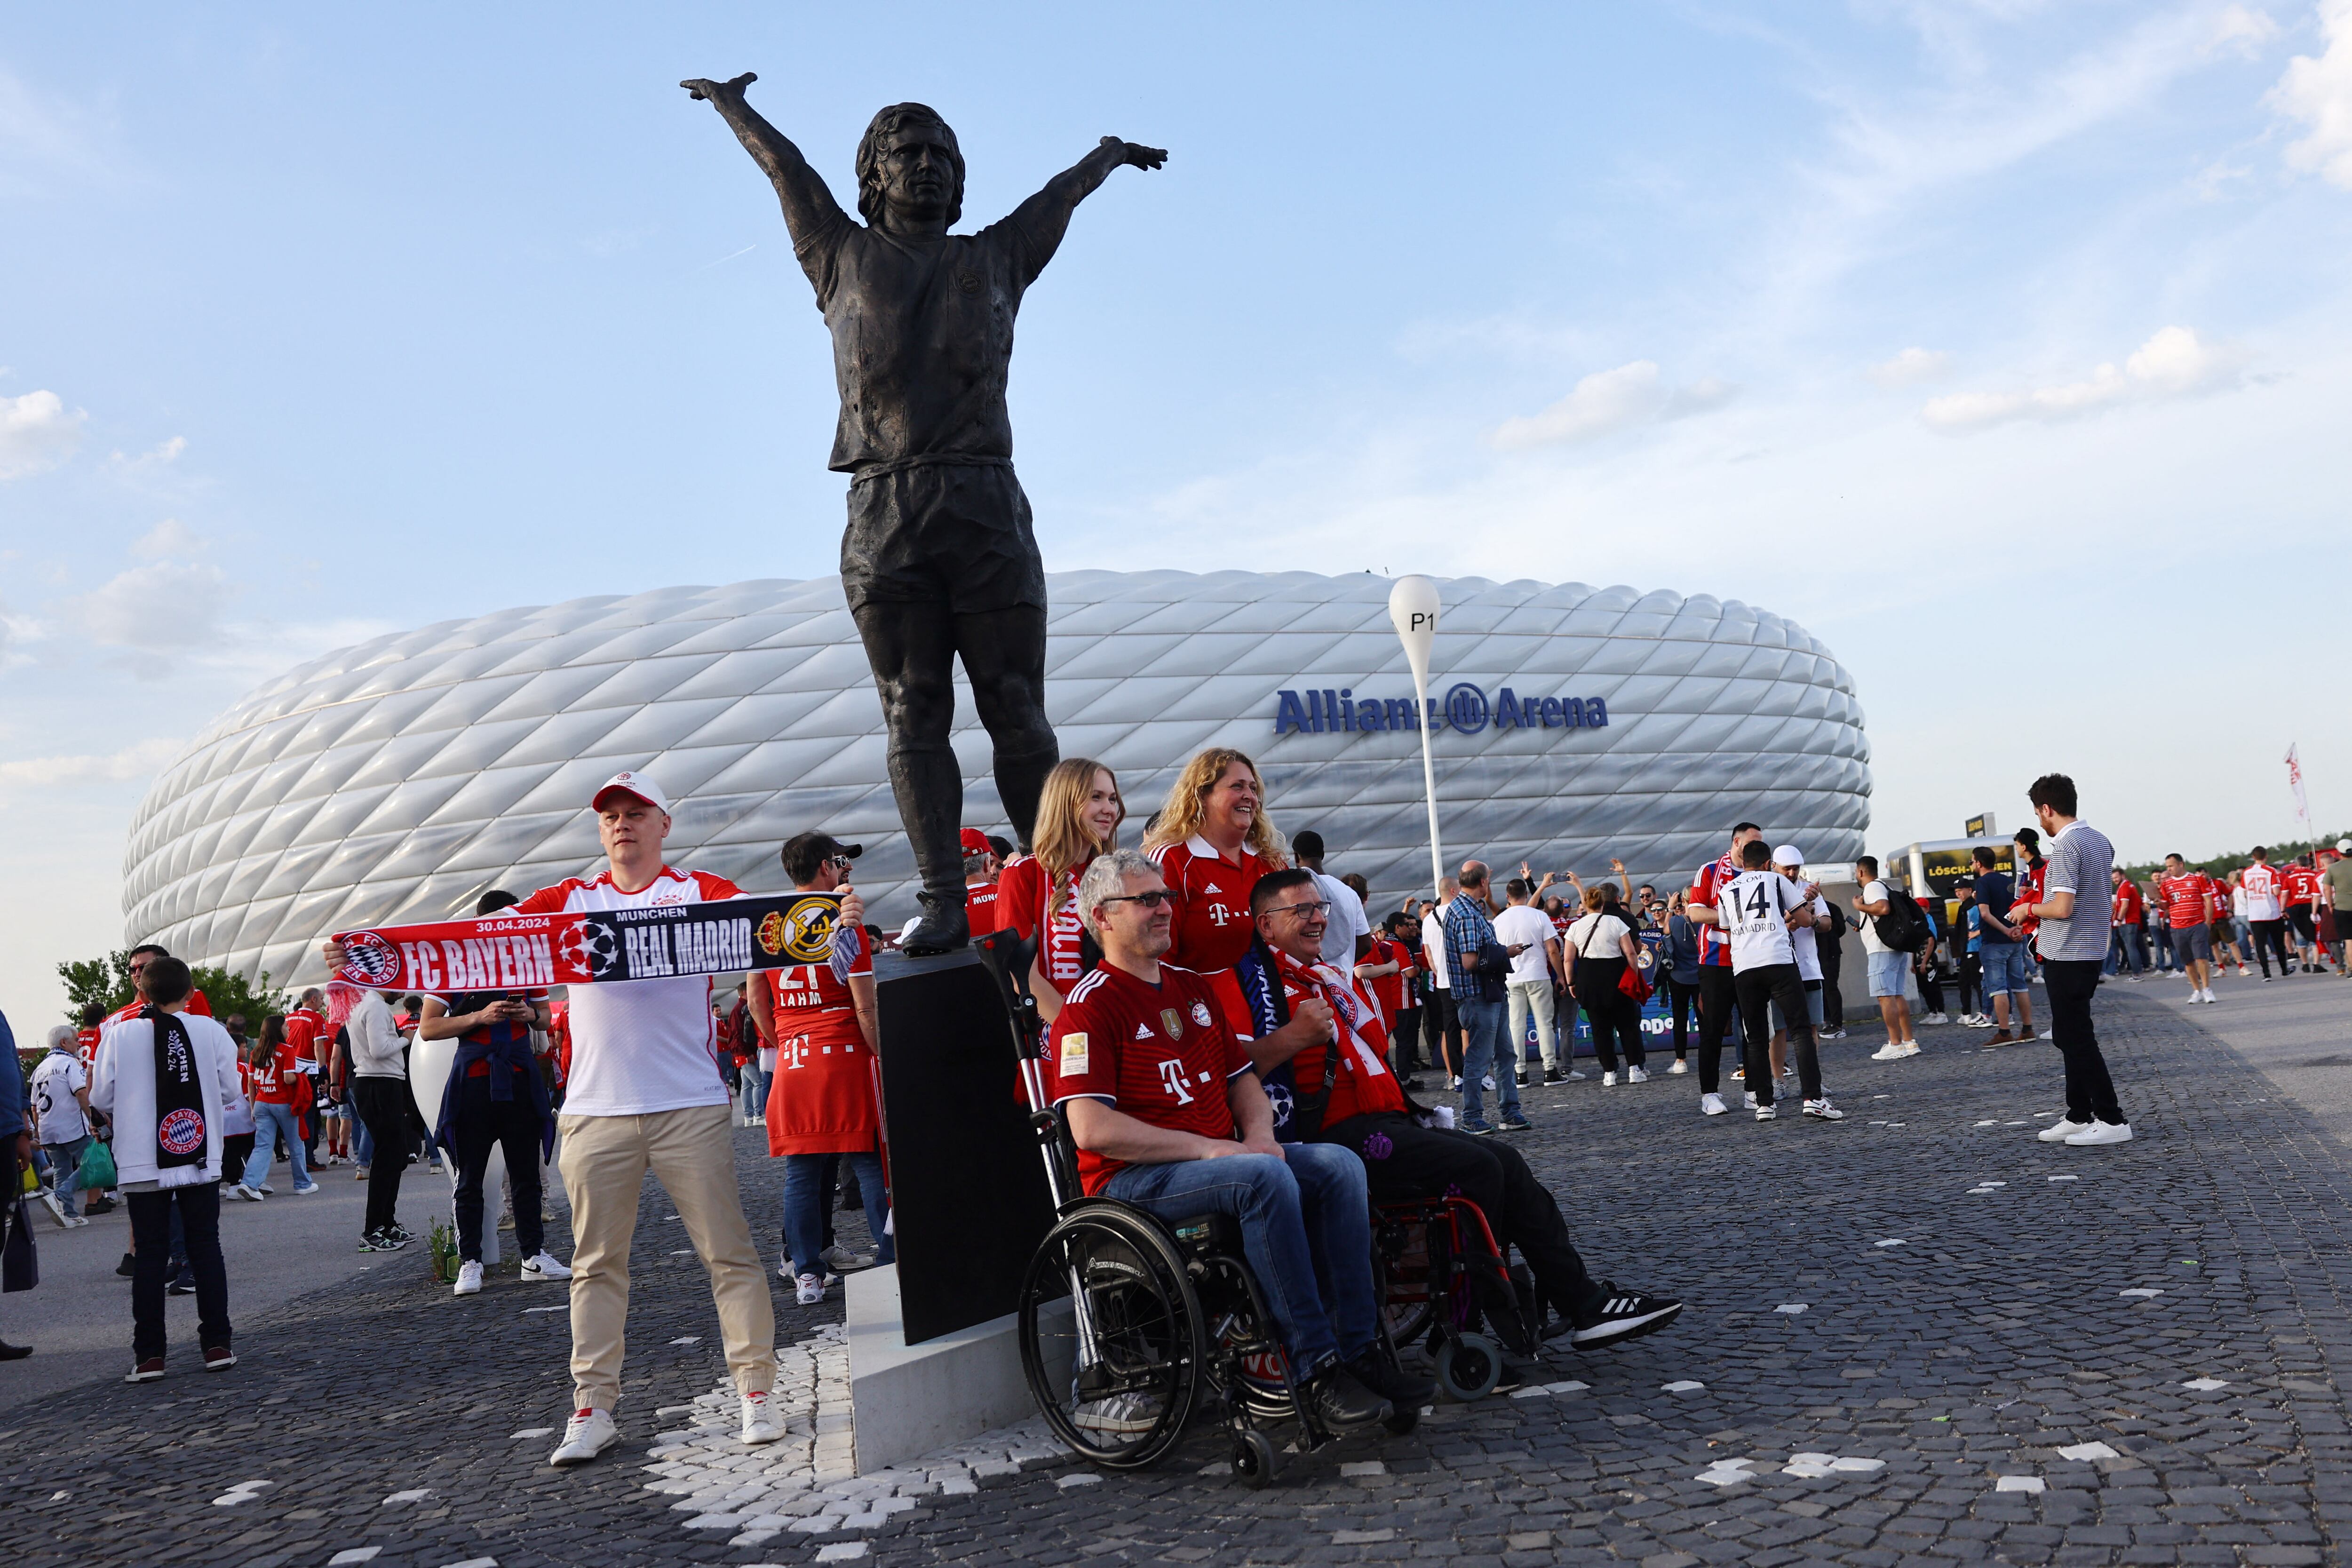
{"x": 802, "y": 931}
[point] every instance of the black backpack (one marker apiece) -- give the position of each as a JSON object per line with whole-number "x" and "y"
{"x": 1904, "y": 927}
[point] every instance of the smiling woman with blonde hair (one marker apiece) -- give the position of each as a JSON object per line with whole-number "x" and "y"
{"x": 1078, "y": 814}
{"x": 1212, "y": 841}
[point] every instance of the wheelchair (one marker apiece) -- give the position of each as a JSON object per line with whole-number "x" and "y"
{"x": 1127, "y": 1323}
{"x": 1444, "y": 1285}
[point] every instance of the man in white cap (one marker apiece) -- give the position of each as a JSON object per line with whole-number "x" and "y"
{"x": 645, "y": 1093}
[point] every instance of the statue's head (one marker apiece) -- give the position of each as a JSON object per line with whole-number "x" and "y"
{"x": 909, "y": 162}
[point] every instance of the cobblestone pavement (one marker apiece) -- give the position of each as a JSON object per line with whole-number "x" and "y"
{"x": 2143, "y": 1364}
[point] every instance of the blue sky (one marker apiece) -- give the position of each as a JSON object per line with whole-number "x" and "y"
{"x": 2006, "y": 345}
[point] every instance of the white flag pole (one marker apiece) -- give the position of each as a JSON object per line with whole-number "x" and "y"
{"x": 1413, "y": 610}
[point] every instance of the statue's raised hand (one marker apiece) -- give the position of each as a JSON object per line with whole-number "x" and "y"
{"x": 1136, "y": 154}
{"x": 700, "y": 87}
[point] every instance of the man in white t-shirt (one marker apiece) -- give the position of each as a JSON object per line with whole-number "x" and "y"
{"x": 1887, "y": 967}
{"x": 644, "y": 1093}
{"x": 2264, "y": 892}
{"x": 1806, "y": 940}
{"x": 60, "y": 1115}
{"x": 1525, "y": 934}
{"x": 1346, "y": 930}
{"x": 1443, "y": 1028}
{"x": 1758, "y": 908}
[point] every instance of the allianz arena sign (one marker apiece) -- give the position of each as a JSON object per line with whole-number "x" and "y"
{"x": 1464, "y": 707}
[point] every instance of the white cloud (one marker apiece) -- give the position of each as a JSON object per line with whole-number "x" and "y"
{"x": 2318, "y": 93}
{"x": 1911, "y": 367}
{"x": 134, "y": 761}
{"x": 1609, "y": 400}
{"x": 161, "y": 455}
{"x": 167, "y": 604}
{"x": 2243, "y": 30}
{"x": 169, "y": 537}
{"x": 2173, "y": 363}
{"x": 37, "y": 433}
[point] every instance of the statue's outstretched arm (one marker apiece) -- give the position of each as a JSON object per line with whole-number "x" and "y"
{"x": 808, "y": 203}
{"x": 1046, "y": 214}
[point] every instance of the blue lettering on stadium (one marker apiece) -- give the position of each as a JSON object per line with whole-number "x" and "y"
{"x": 1464, "y": 706}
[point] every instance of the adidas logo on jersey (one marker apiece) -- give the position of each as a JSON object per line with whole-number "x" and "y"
{"x": 1143, "y": 1031}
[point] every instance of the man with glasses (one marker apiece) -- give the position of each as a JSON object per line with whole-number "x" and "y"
{"x": 1166, "y": 1110}
{"x": 1320, "y": 1036}
{"x": 143, "y": 955}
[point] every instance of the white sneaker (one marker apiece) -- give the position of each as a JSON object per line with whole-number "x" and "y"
{"x": 1752, "y": 1101}
{"x": 1680, "y": 1068}
{"x": 1886, "y": 1053}
{"x": 1908, "y": 1048}
{"x": 1487, "y": 1083}
{"x": 1822, "y": 1110}
{"x": 2209, "y": 998}
{"x": 588, "y": 1434}
{"x": 2060, "y": 1130}
{"x": 1765, "y": 1112}
{"x": 1609, "y": 1079}
{"x": 1636, "y": 1075}
{"x": 1575, "y": 1077}
{"x": 544, "y": 1267}
{"x": 1454, "y": 1085}
{"x": 1712, "y": 1105}
{"x": 840, "y": 1257}
{"x": 1932, "y": 1019}
{"x": 470, "y": 1279}
{"x": 2045, "y": 1034}
{"x": 2100, "y": 1132}
{"x": 760, "y": 1423}
{"x": 810, "y": 1290}
{"x": 1832, "y": 1035}
{"x": 244, "y": 1193}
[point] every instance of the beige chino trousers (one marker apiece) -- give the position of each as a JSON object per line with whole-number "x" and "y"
{"x": 691, "y": 1151}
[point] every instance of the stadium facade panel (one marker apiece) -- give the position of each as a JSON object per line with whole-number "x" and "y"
{"x": 397, "y": 779}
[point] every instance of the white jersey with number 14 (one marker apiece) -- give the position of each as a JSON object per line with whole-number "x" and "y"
{"x": 1755, "y": 905}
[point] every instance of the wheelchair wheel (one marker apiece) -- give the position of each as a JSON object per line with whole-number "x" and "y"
{"x": 1111, "y": 1340}
{"x": 1254, "y": 1460}
{"x": 1468, "y": 1366}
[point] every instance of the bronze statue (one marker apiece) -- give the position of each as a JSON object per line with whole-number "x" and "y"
{"x": 939, "y": 561}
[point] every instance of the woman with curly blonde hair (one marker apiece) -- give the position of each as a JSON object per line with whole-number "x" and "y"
{"x": 1078, "y": 814}
{"x": 1212, "y": 841}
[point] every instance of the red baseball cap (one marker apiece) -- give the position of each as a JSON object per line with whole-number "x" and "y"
{"x": 975, "y": 842}
{"x": 637, "y": 785}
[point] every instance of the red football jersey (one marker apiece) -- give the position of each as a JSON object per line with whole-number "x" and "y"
{"x": 196, "y": 1005}
{"x": 1712, "y": 946}
{"x": 87, "y": 1041}
{"x": 1213, "y": 920}
{"x": 1389, "y": 990}
{"x": 274, "y": 1082}
{"x": 2302, "y": 884}
{"x": 980, "y": 907}
{"x": 2126, "y": 911}
{"x": 824, "y": 1100}
{"x": 303, "y": 1029}
{"x": 1363, "y": 1083}
{"x": 2184, "y": 899}
{"x": 1021, "y": 903}
{"x": 1160, "y": 1053}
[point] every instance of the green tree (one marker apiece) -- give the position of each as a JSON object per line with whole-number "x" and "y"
{"x": 107, "y": 981}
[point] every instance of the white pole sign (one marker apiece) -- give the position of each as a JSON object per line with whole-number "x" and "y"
{"x": 1413, "y": 610}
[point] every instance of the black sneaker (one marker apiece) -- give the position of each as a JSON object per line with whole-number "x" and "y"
{"x": 399, "y": 1232}
{"x": 1521, "y": 1074}
{"x": 1512, "y": 1121}
{"x": 1553, "y": 1075}
{"x": 1624, "y": 1315}
{"x": 381, "y": 1240}
{"x": 1391, "y": 1382}
{"x": 1343, "y": 1404}
{"x": 125, "y": 1268}
{"x": 182, "y": 1287}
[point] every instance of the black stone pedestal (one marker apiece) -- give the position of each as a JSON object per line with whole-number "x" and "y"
{"x": 967, "y": 1190}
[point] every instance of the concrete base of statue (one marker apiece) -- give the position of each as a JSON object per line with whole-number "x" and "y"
{"x": 907, "y": 1401}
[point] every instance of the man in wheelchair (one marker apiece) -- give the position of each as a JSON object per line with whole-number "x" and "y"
{"x": 1167, "y": 1116}
{"x": 1318, "y": 1042}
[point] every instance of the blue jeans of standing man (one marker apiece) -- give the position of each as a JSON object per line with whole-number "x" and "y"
{"x": 65, "y": 1164}
{"x": 1485, "y": 1035}
{"x": 1307, "y": 1231}
{"x": 806, "y": 1190}
{"x": 273, "y": 1124}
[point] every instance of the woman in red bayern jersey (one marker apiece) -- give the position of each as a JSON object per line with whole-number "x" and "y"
{"x": 1078, "y": 814}
{"x": 1212, "y": 842}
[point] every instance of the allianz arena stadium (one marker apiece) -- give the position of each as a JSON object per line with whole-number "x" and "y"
{"x": 398, "y": 779}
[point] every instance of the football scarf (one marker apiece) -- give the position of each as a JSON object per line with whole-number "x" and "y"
{"x": 507, "y": 952}
{"x": 178, "y": 1093}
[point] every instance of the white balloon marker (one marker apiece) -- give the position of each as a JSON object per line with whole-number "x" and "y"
{"x": 1413, "y": 610}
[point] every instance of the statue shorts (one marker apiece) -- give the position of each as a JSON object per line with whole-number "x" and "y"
{"x": 950, "y": 531}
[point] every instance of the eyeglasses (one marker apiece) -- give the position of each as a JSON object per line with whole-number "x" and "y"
{"x": 1319, "y": 907}
{"x": 1150, "y": 900}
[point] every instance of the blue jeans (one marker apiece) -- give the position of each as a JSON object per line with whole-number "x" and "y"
{"x": 2124, "y": 951}
{"x": 1307, "y": 1231}
{"x": 760, "y": 1082}
{"x": 274, "y": 1123}
{"x": 2006, "y": 968}
{"x": 805, "y": 1193}
{"x": 65, "y": 1166}
{"x": 1486, "y": 1048}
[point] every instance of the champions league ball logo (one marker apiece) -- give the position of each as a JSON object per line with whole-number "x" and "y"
{"x": 593, "y": 949}
{"x": 1277, "y": 1095}
{"x": 371, "y": 960}
{"x": 181, "y": 1132}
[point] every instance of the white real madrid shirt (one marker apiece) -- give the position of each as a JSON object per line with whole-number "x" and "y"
{"x": 1755, "y": 906}
{"x": 639, "y": 1046}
